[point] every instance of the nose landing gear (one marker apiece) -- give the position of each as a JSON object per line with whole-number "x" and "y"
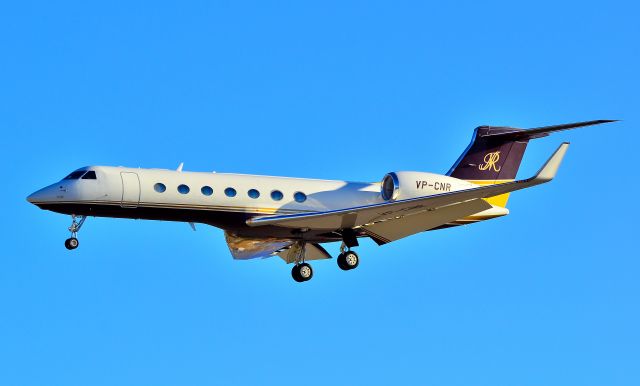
{"x": 72, "y": 242}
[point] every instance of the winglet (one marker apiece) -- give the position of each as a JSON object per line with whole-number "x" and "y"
{"x": 548, "y": 171}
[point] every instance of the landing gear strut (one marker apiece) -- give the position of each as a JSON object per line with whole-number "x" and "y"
{"x": 301, "y": 271}
{"x": 72, "y": 242}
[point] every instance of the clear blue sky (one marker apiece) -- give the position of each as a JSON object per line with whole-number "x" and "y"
{"x": 346, "y": 90}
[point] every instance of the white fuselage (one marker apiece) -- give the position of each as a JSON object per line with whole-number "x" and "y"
{"x": 134, "y": 193}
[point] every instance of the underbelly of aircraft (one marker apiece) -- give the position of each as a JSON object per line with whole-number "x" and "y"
{"x": 232, "y": 221}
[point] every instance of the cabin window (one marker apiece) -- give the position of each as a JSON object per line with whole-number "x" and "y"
{"x": 183, "y": 189}
{"x": 230, "y": 192}
{"x": 277, "y": 195}
{"x": 300, "y": 197}
{"x": 74, "y": 175}
{"x": 91, "y": 175}
{"x": 207, "y": 190}
{"x": 253, "y": 193}
{"x": 159, "y": 187}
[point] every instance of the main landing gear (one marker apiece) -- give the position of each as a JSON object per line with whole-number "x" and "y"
{"x": 348, "y": 260}
{"x": 301, "y": 271}
{"x": 72, "y": 242}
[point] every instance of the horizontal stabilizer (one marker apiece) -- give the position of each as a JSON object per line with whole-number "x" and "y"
{"x": 538, "y": 132}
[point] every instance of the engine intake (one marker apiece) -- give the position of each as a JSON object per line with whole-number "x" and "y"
{"x": 390, "y": 186}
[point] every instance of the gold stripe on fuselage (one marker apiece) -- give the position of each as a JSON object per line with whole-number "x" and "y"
{"x": 499, "y": 200}
{"x": 190, "y": 206}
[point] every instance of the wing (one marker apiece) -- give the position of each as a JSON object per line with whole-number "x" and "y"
{"x": 312, "y": 251}
{"x": 375, "y": 213}
{"x": 245, "y": 248}
{"x": 387, "y": 231}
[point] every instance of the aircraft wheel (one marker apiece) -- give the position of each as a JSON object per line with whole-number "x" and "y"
{"x": 348, "y": 260}
{"x": 71, "y": 243}
{"x": 302, "y": 272}
{"x": 295, "y": 274}
{"x": 341, "y": 263}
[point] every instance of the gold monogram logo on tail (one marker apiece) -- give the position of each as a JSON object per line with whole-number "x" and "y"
{"x": 490, "y": 162}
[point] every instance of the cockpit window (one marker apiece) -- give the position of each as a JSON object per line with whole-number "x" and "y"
{"x": 91, "y": 175}
{"x": 75, "y": 175}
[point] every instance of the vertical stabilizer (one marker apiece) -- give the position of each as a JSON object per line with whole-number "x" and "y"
{"x": 495, "y": 153}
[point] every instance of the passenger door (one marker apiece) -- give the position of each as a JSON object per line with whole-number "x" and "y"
{"x": 130, "y": 190}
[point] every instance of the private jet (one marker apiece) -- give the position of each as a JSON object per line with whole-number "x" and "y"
{"x": 264, "y": 216}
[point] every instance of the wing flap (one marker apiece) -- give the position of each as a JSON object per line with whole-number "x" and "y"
{"x": 387, "y": 231}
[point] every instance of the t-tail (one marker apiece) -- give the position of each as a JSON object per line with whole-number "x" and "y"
{"x": 495, "y": 153}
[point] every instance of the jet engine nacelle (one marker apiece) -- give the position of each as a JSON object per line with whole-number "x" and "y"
{"x": 403, "y": 185}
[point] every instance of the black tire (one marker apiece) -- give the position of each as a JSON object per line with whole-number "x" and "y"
{"x": 295, "y": 274}
{"x": 351, "y": 260}
{"x": 342, "y": 264}
{"x": 71, "y": 243}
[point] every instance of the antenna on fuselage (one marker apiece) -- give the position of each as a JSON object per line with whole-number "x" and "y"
{"x": 179, "y": 169}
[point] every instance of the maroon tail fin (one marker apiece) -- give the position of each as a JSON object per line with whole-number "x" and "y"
{"x": 495, "y": 153}
{"x": 489, "y": 158}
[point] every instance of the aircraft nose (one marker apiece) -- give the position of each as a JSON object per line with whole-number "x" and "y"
{"x": 36, "y": 196}
{"x": 43, "y": 195}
